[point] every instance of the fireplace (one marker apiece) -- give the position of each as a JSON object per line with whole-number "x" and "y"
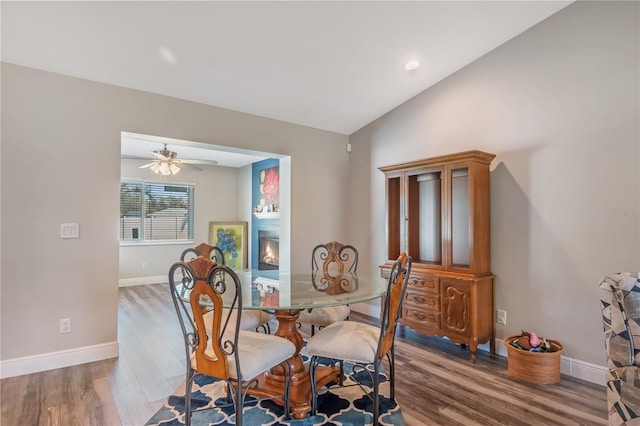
{"x": 268, "y": 250}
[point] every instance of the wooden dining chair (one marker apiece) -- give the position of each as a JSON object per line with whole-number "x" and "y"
{"x": 328, "y": 262}
{"x": 252, "y": 319}
{"x": 221, "y": 349}
{"x": 364, "y": 344}
{"x": 206, "y": 250}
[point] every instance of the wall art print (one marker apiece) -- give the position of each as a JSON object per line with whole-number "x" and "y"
{"x": 269, "y": 189}
{"x": 231, "y": 237}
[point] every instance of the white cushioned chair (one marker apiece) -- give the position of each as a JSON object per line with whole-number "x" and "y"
{"x": 221, "y": 349}
{"x": 364, "y": 344}
{"x": 329, "y": 261}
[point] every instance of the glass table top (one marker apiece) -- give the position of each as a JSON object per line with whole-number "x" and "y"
{"x": 274, "y": 290}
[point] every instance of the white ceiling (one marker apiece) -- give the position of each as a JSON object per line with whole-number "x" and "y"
{"x": 331, "y": 65}
{"x": 138, "y": 145}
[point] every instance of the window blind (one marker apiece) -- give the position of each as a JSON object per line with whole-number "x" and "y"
{"x": 156, "y": 211}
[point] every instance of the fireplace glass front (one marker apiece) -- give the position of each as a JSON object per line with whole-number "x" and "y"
{"x": 268, "y": 254}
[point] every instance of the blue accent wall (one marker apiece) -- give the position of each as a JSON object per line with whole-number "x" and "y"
{"x": 256, "y": 223}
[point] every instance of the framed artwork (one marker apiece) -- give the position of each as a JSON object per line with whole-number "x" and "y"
{"x": 231, "y": 237}
{"x": 269, "y": 188}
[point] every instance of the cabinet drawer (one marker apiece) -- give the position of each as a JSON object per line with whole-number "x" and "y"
{"x": 429, "y": 283}
{"x": 420, "y": 318}
{"x": 422, "y": 300}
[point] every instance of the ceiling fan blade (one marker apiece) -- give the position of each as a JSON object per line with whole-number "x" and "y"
{"x": 200, "y": 162}
{"x": 134, "y": 157}
{"x": 192, "y": 166}
{"x": 144, "y": 166}
{"x": 159, "y": 156}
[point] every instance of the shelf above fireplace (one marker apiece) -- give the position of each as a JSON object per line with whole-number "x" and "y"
{"x": 267, "y": 215}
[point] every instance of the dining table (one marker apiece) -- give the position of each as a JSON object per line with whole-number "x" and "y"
{"x": 286, "y": 294}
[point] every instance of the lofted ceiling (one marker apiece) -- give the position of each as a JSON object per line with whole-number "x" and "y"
{"x": 330, "y": 65}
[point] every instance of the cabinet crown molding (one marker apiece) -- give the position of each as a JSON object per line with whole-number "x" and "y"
{"x": 474, "y": 155}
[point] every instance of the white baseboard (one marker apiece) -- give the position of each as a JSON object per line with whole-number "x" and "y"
{"x": 583, "y": 370}
{"x": 571, "y": 367}
{"x": 60, "y": 359}
{"x": 128, "y": 282}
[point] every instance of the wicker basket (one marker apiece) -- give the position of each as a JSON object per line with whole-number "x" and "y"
{"x": 534, "y": 367}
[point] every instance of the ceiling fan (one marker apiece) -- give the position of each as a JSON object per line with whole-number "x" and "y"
{"x": 167, "y": 163}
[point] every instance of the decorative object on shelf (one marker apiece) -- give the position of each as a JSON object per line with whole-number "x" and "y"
{"x": 231, "y": 238}
{"x": 267, "y": 215}
{"x": 533, "y": 359}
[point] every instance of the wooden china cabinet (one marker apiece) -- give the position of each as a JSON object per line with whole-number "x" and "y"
{"x": 438, "y": 212}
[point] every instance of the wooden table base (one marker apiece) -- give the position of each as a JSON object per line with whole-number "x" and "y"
{"x": 271, "y": 384}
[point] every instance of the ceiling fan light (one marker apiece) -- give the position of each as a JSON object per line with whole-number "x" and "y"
{"x": 155, "y": 168}
{"x": 174, "y": 168}
{"x": 164, "y": 168}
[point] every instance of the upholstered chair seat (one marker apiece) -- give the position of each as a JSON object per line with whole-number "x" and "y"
{"x": 250, "y": 320}
{"x": 257, "y": 353}
{"x": 322, "y": 317}
{"x": 346, "y": 340}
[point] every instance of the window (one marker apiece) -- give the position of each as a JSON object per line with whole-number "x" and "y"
{"x": 156, "y": 212}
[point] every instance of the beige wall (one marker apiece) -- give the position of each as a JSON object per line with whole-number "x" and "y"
{"x": 61, "y": 163}
{"x": 559, "y": 106}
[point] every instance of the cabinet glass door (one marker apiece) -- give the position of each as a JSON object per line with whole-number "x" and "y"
{"x": 394, "y": 214}
{"x": 424, "y": 221}
{"x": 460, "y": 217}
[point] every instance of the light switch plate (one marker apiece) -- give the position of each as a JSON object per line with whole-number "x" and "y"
{"x": 501, "y": 317}
{"x": 69, "y": 230}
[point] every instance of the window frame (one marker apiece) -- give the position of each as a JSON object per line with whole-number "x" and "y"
{"x": 143, "y": 184}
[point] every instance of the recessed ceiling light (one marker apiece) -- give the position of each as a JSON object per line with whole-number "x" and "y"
{"x": 411, "y": 65}
{"x": 167, "y": 55}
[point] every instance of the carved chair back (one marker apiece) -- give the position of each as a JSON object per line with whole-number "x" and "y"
{"x": 207, "y": 284}
{"x": 334, "y": 258}
{"x": 398, "y": 279}
{"x": 205, "y": 250}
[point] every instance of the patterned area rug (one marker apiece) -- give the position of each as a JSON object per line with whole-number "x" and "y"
{"x": 348, "y": 406}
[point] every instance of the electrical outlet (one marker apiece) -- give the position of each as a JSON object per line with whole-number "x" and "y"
{"x": 65, "y": 325}
{"x": 501, "y": 317}
{"x": 144, "y": 265}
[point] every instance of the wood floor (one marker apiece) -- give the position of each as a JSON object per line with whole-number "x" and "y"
{"x": 436, "y": 382}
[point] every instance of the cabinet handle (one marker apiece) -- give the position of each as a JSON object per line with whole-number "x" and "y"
{"x": 418, "y": 283}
